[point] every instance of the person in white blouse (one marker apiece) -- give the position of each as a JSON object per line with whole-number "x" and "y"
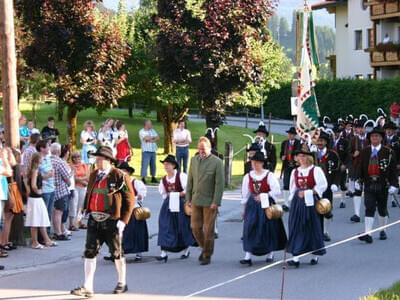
{"x": 106, "y": 135}
{"x": 261, "y": 236}
{"x": 307, "y": 183}
{"x": 174, "y": 232}
{"x": 182, "y": 139}
{"x": 88, "y": 141}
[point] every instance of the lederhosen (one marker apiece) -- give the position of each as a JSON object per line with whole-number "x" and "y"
{"x": 340, "y": 146}
{"x": 270, "y": 156}
{"x": 289, "y": 164}
{"x": 101, "y": 231}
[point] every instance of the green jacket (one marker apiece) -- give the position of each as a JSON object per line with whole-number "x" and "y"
{"x": 205, "y": 184}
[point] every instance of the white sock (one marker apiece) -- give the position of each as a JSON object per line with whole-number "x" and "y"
{"x": 286, "y": 197}
{"x": 326, "y": 225}
{"x": 90, "y": 268}
{"x": 315, "y": 257}
{"x": 357, "y": 205}
{"x": 343, "y": 195}
{"x": 295, "y": 259}
{"x": 369, "y": 223}
{"x": 139, "y": 254}
{"x": 383, "y": 221}
{"x": 187, "y": 251}
{"x": 163, "y": 253}
{"x": 247, "y": 256}
{"x": 120, "y": 264}
{"x": 270, "y": 255}
{"x": 351, "y": 186}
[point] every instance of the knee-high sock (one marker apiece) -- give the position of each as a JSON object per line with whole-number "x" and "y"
{"x": 357, "y": 205}
{"x": 247, "y": 256}
{"x": 120, "y": 264}
{"x": 383, "y": 221}
{"x": 270, "y": 255}
{"x": 187, "y": 250}
{"x": 342, "y": 195}
{"x": 90, "y": 269}
{"x": 369, "y": 223}
{"x": 286, "y": 197}
{"x": 351, "y": 185}
{"x": 327, "y": 222}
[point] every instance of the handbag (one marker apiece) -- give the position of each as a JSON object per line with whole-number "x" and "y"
{"x": 15, "y": 194}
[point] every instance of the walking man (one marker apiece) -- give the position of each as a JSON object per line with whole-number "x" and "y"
{"x": 182, "y": 140}
{"x": 148, "y": 138}
{"x": 204, "y": 191}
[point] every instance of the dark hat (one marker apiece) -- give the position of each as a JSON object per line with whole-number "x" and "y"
{"x": 291, "y": 130}
{"x": 390, "y": 125}
{"x": 258, "y": 156}
{"x": 325, "y": 136}
{"x": 336, "y": 128}
{"x": 261, "y": 128}
{"x": 105, "y": 152}
{"x": 377, "y": 130}
{"x": 50, "y": 119}
{"x": 349, "y": 119}
{"x": 125, "y": 166}
{"x": 170, "y": 159}
{"x": 359, "y": 123}
{"x": 304, "y": 149}
{"x": 253, "y": 147}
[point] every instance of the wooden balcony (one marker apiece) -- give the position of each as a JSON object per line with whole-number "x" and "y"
{"x": 384, "y": 9}
{"x": 385, "y": 58}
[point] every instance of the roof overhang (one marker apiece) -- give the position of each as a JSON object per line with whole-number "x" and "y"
{"x": 330, "y": 5}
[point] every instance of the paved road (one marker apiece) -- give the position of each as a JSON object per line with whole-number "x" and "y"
{"x": 346, "y": 272}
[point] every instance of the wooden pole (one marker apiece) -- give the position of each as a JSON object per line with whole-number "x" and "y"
{"x": 228, "y": 163}
{"x": 9, "y": 74}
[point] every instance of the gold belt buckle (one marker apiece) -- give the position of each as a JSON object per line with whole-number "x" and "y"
{"x": 99, "y": 216}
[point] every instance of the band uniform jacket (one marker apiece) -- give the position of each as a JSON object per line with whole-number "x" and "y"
{"x": 270, "y": 156}
{"x": 121, "y": 195}
{"x": 284, "y": 151}
{"x": 331, "y": 166}
{"x": 394, "y": 144}
{"x": 342, "y": 148}
{"x": 357, "y": 144}
{"x": 387, "y": 167}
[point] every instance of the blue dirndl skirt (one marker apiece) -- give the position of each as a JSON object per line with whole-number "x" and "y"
{"x": 174, "y": 232}
{"x": 136, "y": 236}
{"x": 85, "y": 157}
{"x": 260, "y": 234}
{"x": 305, "y": 228}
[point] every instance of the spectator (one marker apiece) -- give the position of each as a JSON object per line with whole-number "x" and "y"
{"x": 122, "y": 141}
{"x": 394, "y": 113}
{"x": 49, "y": 131}
{"x": 31, "y": 127}
{"x": 61, "y": 183}
{"x": 27, "y": 156}
{"x": 47, "y": 173}
{"x": 106, "y": 133}
{"x": 148, "y": 138}
{"x": 89, "y": 141}
{"x": 386, "y": 39}
{"x": 36, "y": 213}
{"x": 81, "y": 172}
{"x": 23, "y": 131}
{"x": 182, "y": 140}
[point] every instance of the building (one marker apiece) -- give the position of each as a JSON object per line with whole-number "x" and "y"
{"x": 361, "y": 28}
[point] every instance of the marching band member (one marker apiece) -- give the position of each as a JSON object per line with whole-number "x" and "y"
{"x": 109, "y": 202}
{"x": 250, "y": 152}
{"x": 307, "y": 183}
{"x": 288, "y": 148}
{"x": 378, "y": 173}
{"x": 266, "y": 147}
{"x": 174, "y": 232}
{"x": 328, "y": 160}
{"x": 261, "y": 236}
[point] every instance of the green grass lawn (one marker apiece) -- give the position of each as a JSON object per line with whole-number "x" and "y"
{"x": 133, "y": 125}
{"x": 393, "y": 293}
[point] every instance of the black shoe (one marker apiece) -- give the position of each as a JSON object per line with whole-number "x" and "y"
{"x": 246, "y": 262}
{"x": 394, "y": 204}
{"x": 355, "y": 219}
{"x": 269, "y": 259}
{"x": 314, "y": 261}
{"x": 201, "y": 257}
{"x": 61, "y": 237}
{"x": 144, "y": 180}
{"x": 285, "y": 208}
{"x": 382, "y": 235}
{"x": 293, "y": 263}
{"x": 342, "y": 205}
{"x": 205, "y": 261}
{"x": 185, "y": 256}
{"x": 215, "y": 235}
{"x": 137, "y": 258}
{"x": 162, "y": 258}
{"x": 327, "y": 238}
{"x": 349, "y": 194}
{"x": 120, "y": 288}
{"x": 108, "y": 258}
{"x": 1, "y": 268}
{"x": 154, "y": 180}
{"x": 82, "y": 292}
{"x": 366, "y": 238}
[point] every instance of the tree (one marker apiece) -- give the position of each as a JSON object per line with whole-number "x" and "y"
{"x": 205, "y": 44}
{"x": 84, "y": 56}
{"x": 273, "y": 26}
{"x": 283, "y": 29}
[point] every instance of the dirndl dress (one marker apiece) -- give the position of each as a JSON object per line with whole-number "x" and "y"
{"x": 86, "y": 149}
{"x": 36, "y": 213}
{"x": 260, "y": 234}
{"x": 136, "y": 236}
{"x": 123, "y": 151}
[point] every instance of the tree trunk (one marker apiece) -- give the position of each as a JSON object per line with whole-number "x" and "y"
{"x": 213, "y": 120}
{"x": 60, "y": 111}
{"x": 72, "y": 117}
{"x": 34, "y": 112}
{"x": 130, "y": 110}
{"x": 159, "y": 116}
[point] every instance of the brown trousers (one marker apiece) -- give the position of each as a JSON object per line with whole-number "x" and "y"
{"x": 203, "y": 224}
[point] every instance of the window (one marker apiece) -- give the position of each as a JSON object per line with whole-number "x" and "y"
{"x": 359, "y": 76}
{"x": 358, "y": 39}
{"x": 370, "y": 35}
{"x": 371, "y": 76}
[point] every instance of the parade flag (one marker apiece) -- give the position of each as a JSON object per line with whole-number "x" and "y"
{"x": 308, "y": 111}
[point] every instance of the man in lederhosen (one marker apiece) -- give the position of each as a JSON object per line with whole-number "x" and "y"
{"x": 328, "y": 160}
{"x": 109, "y": 202}
{"x": 392, "y": 141}
{"x": 288, "y": 148}
{"x": 341, "y": 146}
{"x": 268, "y": 149}
{"x": 378, "y": 173}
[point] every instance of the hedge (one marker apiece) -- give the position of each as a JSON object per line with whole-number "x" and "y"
{"x": 341, "y": 97}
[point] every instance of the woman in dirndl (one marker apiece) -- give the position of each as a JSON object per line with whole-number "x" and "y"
{"x": 261, "y": 236}
{"x": 305, "y": 224}
{"x": 174, "y": 232}
{"x": 122, "y": 141}
{"x": 88, "y": 141}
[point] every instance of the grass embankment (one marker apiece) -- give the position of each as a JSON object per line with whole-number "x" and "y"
{"x": 226, "y": 133}
{"x": 392, "y": 293}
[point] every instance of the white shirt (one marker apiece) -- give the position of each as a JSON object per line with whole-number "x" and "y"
{"x": 85, "y": 135}
{"x": 182, "y": 136}
{"x": 275, "y": 189}
{"x": 321, "y": 184}
{"x": 378, "y": 148}
{"x": 141, "y": 191}
{"x": 161, "y": 189}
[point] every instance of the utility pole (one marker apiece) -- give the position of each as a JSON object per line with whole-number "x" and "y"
{"x": 9, "y": 74}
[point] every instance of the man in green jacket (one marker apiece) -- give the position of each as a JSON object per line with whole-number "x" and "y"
{"x": 204, "y": 191}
